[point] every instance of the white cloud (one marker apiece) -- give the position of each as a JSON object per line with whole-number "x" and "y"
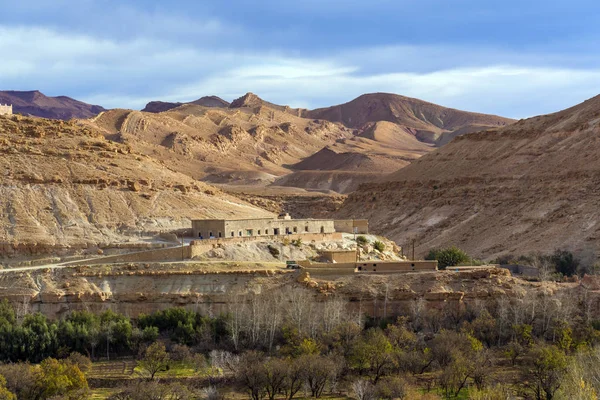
{"x": 130, "y": 73}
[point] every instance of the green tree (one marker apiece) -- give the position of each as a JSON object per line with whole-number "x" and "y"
{"x": 546, "y": 368}
{"x": 374, "y": 353}
{"x": 564, "y": 262}
{"x": 5, "y": 394}
{"x": 448, "y": 257}
{"x": 60, "y": 378}
{"x": 155, "y": 359}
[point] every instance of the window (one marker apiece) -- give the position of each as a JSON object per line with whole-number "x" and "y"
{"x": 259, "y": 231}
{"x": 240, "y": 233}
{"x": 266, "y": 231}
{"x": 199, "y": 234}
{"x": 210, "y": 234}
{"x": 220, "y": 235}
{"x": 248, "y": 232}
{"x": 306, "y": 228}
{"x": 232, "y": 234}
{"x": 295, "y": 230}
{"x": 322, "y": 229}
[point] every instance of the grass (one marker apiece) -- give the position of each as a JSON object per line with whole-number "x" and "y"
{"x": 102, "y": 393}
{"x": 176, "y": 370}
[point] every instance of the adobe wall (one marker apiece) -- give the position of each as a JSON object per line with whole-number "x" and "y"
{"x": 345, "y": 256}
{"x": 205, "y": 227}
{"x": 348, "y": 225}
{"x": 396, "y": 266}
{"x": 259, "y": 227}
{"x": 373, "y": 266}
{"x": 169, "y": 254}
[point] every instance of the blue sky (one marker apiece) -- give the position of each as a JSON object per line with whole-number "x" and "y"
{"x": 512, "y": 58}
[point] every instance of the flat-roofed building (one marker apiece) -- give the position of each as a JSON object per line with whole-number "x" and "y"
{"x": 283, "y": 225}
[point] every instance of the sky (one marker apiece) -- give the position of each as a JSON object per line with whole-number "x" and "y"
{"x": 511, "y": 58}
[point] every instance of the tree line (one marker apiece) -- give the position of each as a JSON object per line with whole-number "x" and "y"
{"x": 286, "y": 344}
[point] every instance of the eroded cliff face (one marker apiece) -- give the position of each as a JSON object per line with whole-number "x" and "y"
{"x": 142, "y": 288}
{"x": 65, "y": 186}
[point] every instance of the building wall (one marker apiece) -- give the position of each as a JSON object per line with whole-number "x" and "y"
{"x": 260, "y": 227}
{"x": 344, "y": 256}
{"x": 374, "y": 266}
{"x": 205, "y": 227}
{"x": 348, "y": 225}
{"x": 396, "y": 266}
{"x": 6, "y": 109}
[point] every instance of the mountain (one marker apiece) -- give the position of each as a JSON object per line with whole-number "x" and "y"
{"x": 206, "y": 101}
{"x": 250, "y": 142}
{"x": 37, "y": 104}
{"x": 427, "y": 121}
{"x": 256, "y": 142}
{"x": 530, "y": 186}
{"x": 391, "y": 131}
{"x": 64, "y": 186}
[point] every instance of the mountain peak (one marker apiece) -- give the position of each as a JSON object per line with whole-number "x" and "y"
{"x": 247, "y": 100}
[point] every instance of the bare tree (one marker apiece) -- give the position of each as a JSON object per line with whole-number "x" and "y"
{"x": 363, "y": 390}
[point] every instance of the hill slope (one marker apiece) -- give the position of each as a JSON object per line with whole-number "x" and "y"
{"x": 427, "y": 121}
{"x": 37, "y": 104}
{"x": 206, "y": 101}
{"x": 65, "y": 186}
{"x": 249, "y": 142}
{"x": 530, "y": 186}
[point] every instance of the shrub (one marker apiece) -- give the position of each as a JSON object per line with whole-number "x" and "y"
{"x": 379, "y": 246}
{"x": 448, "y": 257}
{"x": 361, "y": 240}
{"x": 297, "y": 242}
{"x": 564, "y": 262}
{"x": 273, "y": 250}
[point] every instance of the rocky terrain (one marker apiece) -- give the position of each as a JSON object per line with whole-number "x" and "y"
{"x": 531, "y": 186}
{"x": 65, "y": 186}
{"x": 282, "y": 146}
{"x": 247, "y": 143}
{"x": 34, "y": 103}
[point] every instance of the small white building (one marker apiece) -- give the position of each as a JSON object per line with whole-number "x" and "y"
{"x": 6, "y": 109}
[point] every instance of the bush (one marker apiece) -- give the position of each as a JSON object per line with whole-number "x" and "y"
{"x": 564, "y": 262}
{"x": 297, "y": 242}
{"x": 379, "y": 246}
{"x": 448, "y": 257}
{"x": 361, "y": 240}
{"x": 273, "y": 250}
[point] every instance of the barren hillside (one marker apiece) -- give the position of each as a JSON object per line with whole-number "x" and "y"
{"x": 376, "y": 150}
{"x": 427, "y": 121}
{"x": 251, "y": 142}
{"x": 64, "y": 185}
{"x": 37, "y": 104}
{"x": 530, "y": 186}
